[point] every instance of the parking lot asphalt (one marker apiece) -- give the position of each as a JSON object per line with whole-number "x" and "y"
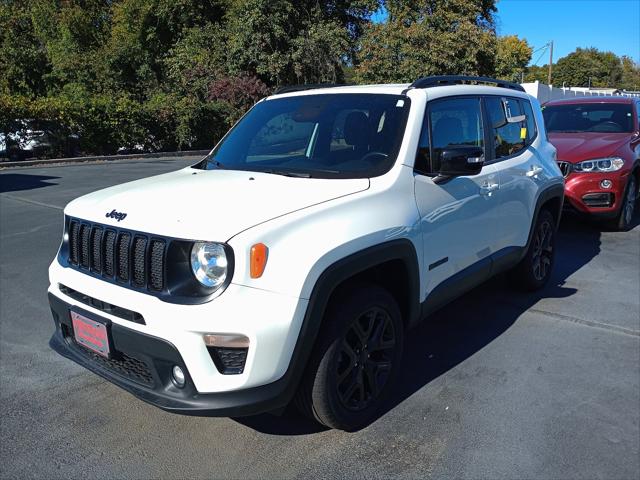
{"x": 498, "y": 384}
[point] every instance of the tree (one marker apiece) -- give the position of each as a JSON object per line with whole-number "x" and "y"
{"x": 630, "y": 74}
{"x": 23, "y": 58}
{"x": 513, "y": 55}
{"x": 432, "y": 37}
{"x": 588, "y": 67}
{"x": 286, "y": 42}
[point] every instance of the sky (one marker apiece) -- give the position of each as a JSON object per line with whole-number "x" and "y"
{"x": 609, "y": 25}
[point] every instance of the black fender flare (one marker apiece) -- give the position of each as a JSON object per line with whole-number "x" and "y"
{"x": 335, "y": 275}
{"x": 555, "y": 191}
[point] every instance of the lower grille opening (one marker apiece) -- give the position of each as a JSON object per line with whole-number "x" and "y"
{"x": 120, "y": 363}
{"x": 114, "y": 310}
{"x": 228, "y": 361}
{"x": 602, "y": 200}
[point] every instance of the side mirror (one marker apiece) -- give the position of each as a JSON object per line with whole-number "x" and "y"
{"x": 458, "y": 161}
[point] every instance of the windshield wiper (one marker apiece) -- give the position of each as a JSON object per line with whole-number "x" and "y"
{"x": 286, "y": 173}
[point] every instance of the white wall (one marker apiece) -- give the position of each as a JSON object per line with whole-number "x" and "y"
{"x": 545, "y": 93}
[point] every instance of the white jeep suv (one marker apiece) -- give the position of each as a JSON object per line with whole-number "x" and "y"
{"x": 291, "y": 261}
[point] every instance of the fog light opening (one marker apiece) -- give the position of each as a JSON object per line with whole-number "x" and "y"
{"x": 606, "y": 183}
{"x": 178, "y": 377}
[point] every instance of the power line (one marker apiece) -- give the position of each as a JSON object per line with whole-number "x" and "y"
{"x": 541, "y": 54}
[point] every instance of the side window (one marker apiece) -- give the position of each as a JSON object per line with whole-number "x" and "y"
{"x": 508, "y": 138}
{"x": 451, "y": 122}
{"x": 530, "y": 120}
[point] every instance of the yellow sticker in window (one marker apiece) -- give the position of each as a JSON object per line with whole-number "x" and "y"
{"x": 523, "y": 133}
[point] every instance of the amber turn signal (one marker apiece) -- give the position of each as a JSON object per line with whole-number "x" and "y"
{"x": 258, "y": 259}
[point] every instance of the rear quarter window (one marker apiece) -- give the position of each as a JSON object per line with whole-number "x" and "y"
{"x": 510, "y": 138}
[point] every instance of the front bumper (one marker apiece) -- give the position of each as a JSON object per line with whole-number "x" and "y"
{"x": 142, "y": 366}
{"x": 272, "y": 323}
{"x": 583, "y": 192}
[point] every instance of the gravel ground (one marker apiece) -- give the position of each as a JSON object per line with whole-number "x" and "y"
{"x": 496, "y": 385}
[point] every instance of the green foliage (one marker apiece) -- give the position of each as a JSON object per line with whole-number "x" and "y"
{"x": 513, "y": 55}
{"x": 588, "y": 66}
{"x": 23, "y": 59}
{"x": 630, "y": 74}
{"x": 176, "y": 74}
{"x": 535, "y": 72}
{"x": 429, "y": 38}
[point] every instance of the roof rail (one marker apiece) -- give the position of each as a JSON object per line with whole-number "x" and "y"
{"x": 310, "y": 86}
{"x": 442, "y": 80}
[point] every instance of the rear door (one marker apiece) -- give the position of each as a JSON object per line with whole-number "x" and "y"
{"x": 458, "y": 216}
{"x": 518, "y": 164}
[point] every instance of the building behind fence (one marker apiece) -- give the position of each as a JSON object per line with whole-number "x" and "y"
{"x": 545, "y": 93}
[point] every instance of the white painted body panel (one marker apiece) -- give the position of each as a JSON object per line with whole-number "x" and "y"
{"x": 208, "y": 205}
{"x": 457, "y": 222}
{"x": 307, "y": 225}
{"x": 522, "y": 178}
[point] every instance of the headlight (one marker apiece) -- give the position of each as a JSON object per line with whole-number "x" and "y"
{"x": 209, "y": 264}
{"x": 599, "y": 165}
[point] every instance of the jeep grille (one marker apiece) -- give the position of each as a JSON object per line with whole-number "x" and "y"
{"x": 130, "y": 258}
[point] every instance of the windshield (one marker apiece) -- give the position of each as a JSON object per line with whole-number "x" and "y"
{"x": 322, "y": 136}
{"x": 589, "y": 117}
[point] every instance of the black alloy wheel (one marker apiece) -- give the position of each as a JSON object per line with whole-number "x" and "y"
{"x": 542, "y": 250}
{"x": 535, "y": 268}
{"x": 365, "y": 359}
{"x": 356, "y": 358}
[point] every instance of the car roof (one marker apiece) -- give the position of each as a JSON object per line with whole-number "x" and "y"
{"x": 400, "y": 88}
{"x": 579, "y": 100}
{"x": 390, "y": 89}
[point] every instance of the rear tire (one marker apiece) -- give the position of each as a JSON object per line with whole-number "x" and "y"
{"x": 355, "y": 361}
{"x": 534, "y": 270}
{"x": 622, "y": 223}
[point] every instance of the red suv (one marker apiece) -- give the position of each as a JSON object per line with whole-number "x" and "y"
{"x": 598, "y": 143}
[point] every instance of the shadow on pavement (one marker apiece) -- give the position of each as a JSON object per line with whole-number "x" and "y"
{"x": 464, "y": 327}
{"x": 14, "y": 182}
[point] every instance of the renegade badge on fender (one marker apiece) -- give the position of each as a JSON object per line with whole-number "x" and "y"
{"x": 291, "y": 261}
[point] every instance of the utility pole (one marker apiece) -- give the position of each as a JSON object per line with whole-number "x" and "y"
{"x": 550, "y": 62}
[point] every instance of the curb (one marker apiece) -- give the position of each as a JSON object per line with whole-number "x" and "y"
{"x": 101, "y": 158}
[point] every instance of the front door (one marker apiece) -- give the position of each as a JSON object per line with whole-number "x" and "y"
{"x": 459, "y": 217}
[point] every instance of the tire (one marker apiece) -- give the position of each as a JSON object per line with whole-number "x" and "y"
{"x": 534, "y": 270}
{"x": 622, "y": 223}
{"x": 347, "y": 383}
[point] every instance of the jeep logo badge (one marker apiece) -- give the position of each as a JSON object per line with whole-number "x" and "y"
{"x": 117, "y": 215}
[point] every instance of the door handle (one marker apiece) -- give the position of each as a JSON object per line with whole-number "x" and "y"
{"x": 534, "y": 171}
{"x": 487, "y": 188}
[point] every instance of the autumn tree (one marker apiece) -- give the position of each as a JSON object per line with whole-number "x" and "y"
{"x": 513, "y": 55}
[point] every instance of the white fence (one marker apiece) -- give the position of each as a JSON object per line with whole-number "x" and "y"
{"x": 545, "y": 93}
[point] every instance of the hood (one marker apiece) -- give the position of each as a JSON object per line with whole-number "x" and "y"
{"x": 206, "y": 204}
{"x": 575, "y": 147}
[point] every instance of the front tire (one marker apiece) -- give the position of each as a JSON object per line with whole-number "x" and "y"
{"x": 534, "y": 270}
{"x": 355, "y": 361}
{"x": 623, "y": 221}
